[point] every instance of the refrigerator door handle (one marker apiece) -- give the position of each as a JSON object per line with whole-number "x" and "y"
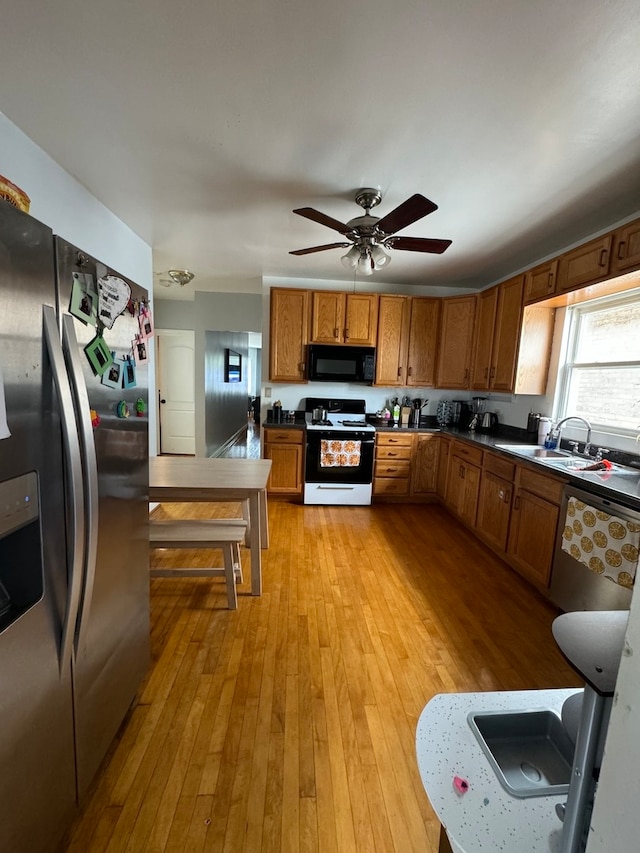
{"x": 75, "y": 550}
{"x": 89, "y": 467}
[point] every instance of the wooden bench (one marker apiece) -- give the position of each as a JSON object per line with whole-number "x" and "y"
{"x": 225, "y": 534}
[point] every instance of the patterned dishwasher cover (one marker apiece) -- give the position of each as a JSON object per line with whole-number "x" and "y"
{"x": 604, "y": 543}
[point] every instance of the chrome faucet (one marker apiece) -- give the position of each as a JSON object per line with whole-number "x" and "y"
{"x": 560, "y": 424}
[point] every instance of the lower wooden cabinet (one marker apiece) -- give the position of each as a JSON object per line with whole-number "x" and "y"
{"x": 494, "y": 505}
{"x": 392, "y": 468}
{"x": 494, "y": 510}
{"x": 424, "y": 468}
{"x": 285, "y": 448}
{"x": 534, "y": 521}
{"x": 463, "y": 481}
{"x": 443, "y": 466}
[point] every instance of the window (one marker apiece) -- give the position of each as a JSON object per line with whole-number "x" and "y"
{"x": 600, "y": 380}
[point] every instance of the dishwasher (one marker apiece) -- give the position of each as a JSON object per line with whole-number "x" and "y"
{"x": 576, "y": 586}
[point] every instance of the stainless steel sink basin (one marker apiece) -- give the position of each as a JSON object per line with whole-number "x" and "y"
{"x": 534, "y": 452}
{"x": 529, "y": 751}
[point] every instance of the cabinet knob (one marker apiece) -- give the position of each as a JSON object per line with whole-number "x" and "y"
{"x": 602, "y": 262}
{"x": 336, "y": 333}
{"x": 346, "y": 334}
{"x": 400, "y": 370}
{"x": 550, "y": 283}
{"x": 516, "y": 503}
{"x": 409, "y": 371}
{"x": 621, "y": 250}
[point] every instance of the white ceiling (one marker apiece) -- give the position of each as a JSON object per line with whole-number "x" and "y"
{"x": 203, "y": 124}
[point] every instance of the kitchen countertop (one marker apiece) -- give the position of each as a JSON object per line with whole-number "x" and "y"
{"x": 486, "y": 817}
{"x": 623, "y": 487}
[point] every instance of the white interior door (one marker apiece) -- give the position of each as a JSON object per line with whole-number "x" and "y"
{"x": 176, "y": 391}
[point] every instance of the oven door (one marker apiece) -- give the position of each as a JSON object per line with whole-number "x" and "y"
{"x": 334, "y": 473}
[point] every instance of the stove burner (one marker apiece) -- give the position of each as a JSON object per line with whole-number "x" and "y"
{"x": 321, "y": 423}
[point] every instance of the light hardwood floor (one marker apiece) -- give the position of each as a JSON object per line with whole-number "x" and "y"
{"x": 289, "y": 724}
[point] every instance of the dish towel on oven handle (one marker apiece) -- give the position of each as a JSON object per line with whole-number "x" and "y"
{"x": 604, "y": 543}
{"x": 339, "y": 453}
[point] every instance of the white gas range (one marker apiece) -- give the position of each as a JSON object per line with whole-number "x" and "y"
{"x": 338, "y": 453}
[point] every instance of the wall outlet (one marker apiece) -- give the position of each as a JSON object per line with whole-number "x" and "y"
{"x": 267, "y": 393}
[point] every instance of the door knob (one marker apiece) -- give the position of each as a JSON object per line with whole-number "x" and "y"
{"x": 162, "y": 400}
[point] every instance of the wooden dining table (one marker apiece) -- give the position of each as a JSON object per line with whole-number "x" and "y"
{"x": 176, "y": 479}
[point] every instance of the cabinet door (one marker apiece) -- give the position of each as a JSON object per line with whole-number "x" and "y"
{"x": 443, "y": 467}
{"x": 424, "y": 469}
{"x": 532, "y": 535}
{"x": 423, "y": 334}
{"x": 469, "y": 493}
{"x": 485, "y": 324}
{"x": 327, "y": 317}
{"x": 393, "y": 331}
{"x": 456, "y": 342}
{"x": 361, "y": 320}
{"x": 494, "y": 509}
{"x": 285, "y": 477}
{"x": 585, "y": 265}
{"x": 540, "y": 282}
{"x": 626, "y": 256}
{"x": 507, "y": 335}
{"x": 288, "y": 334}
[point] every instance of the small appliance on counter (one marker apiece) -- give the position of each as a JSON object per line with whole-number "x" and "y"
{"x": 488, "y": 422}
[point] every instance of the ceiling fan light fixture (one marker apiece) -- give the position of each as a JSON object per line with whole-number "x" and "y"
{"x": 379, "y": 257}
{"x": 365, "y": 264}
{"x": 350, "y": 260}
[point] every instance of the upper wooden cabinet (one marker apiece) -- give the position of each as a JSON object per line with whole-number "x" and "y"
{"x": 540, "y": 282}
{"x": 483, "y": 347}
{"x": 288, "y": 334}
{"x": 455, "y": 350}
{"x": 626, "y": 248}
{"x": 585, "y": 264}
{"x": 407, "y": 336}
{"x": 423, "y": 336}
{"x": 344, "y": 318}
{"x": 506, "y": 336}
{"x": 393, "y": 338}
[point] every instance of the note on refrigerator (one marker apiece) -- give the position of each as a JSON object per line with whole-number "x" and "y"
{"x": 4, "y": 427}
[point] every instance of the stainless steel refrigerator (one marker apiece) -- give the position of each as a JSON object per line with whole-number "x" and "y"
{"x": 74, "y": 581}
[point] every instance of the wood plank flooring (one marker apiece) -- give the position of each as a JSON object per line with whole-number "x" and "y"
{"x": 289, "y": 724}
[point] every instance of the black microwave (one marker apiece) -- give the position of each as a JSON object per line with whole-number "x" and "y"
{"x": 342, "y": 364}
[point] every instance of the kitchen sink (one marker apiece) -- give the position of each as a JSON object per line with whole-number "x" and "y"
{"x": 532, "y": 451}
{"x": 529, "y": 751}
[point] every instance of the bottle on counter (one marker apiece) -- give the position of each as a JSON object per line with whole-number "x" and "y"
{"x": 544, "y": 427}
{"x": 396, "y": 412}
{"x": 277, "y": 412}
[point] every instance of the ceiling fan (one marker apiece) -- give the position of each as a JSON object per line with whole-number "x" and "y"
{"x": 369, "y": 236}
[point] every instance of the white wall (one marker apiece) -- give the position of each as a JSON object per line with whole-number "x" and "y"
{"x": 63, "y": 204}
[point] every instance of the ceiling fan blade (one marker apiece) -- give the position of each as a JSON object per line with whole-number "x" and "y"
{"x": 323, "y": 219}
{"x": 409, "y": 211}
{"x": 420, "y": 244}
{"x": 320, "y": 248}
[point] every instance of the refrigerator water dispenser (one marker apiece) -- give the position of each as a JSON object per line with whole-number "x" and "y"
{"x": 21, "y": 571}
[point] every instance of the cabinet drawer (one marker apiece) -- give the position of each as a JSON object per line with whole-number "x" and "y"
{"x": 393, "y": 439}
{"x": 467, "y": 452}
{"x": 393, "y": 452}
{"x": 283, "y": 436}
{"x": 500, "y": 467}
{"x": 389, "y": 468}
{"x": 389, "y": 486}
{"x": 541, "y": 485}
